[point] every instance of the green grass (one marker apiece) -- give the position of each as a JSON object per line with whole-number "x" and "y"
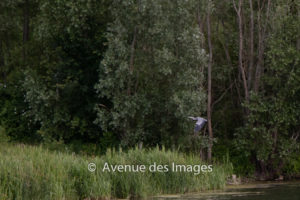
{"x": 33, "y": 172}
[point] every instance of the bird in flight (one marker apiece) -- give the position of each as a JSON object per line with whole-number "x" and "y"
{"x": 200, "y": 122}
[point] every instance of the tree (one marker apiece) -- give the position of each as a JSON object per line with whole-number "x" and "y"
{"x": 271, "y": 135}
{"x": 209, "y": 96}
{"x": 62, "y": 70}
{"x": 12, "y": 110}
{"x": 152, "y": 72}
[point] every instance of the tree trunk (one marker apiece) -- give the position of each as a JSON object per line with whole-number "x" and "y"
{"x": 140, "y": 145}
{"x": 251, "y": 58}
{"x": 298, "y": 40}
{"x": 201, "y": 25}
{"x": 261, "y": 46}
{"x": 241, "y": 41}
{"x": 209, "y": 96}
{"x": 260, "y": 50}
{"x": 131, "y": 61}
{"x": 25, "y": 26}
{"x": 1, "y": 63}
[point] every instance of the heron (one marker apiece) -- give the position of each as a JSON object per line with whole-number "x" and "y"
{"x": 200, "y": 122}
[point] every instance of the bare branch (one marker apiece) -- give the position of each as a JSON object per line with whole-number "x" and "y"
{"x": 221, "y": 97}
{"x": 234, "y": 5}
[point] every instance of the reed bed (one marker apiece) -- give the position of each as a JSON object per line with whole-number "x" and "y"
{"x": 34, "y": 172}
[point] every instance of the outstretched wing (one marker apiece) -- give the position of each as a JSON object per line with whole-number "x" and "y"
{"x": 193, "y": 118}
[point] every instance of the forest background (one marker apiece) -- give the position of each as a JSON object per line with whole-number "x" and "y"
{"x": 91, "y": 75}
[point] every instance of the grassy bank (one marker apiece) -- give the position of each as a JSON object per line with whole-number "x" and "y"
{"x": 30, "y": 172}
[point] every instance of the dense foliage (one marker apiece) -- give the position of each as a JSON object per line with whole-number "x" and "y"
{"x": 109, "y": 73}
{"x": 152, "y": 78}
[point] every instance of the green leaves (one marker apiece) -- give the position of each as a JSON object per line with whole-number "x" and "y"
{"x": 59, "y": 79}
{"x": 273, "y": 122}
{"x": 152, "y": 71}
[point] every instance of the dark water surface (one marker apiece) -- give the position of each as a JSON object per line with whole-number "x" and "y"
{"x": 260, "y": 191}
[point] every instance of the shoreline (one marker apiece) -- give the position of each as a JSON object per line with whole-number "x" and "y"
{"x": 229, "y": 189}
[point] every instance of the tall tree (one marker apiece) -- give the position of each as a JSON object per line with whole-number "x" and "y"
{"x": 59, "y": 82}
{"x": 270, "y": 136}
{"x": 251, "y": 41}
{"x": 152, "y": 72}
{"x": 209, "y": 69}
{"x": 26, "y": 17}
{"x": 238, "y": 10}
{"x": 262, "y": 27}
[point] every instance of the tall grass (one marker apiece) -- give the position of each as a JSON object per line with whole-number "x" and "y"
{"x": 33, "y": 172}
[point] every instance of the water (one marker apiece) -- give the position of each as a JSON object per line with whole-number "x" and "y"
{"x": 260, "y": 191}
